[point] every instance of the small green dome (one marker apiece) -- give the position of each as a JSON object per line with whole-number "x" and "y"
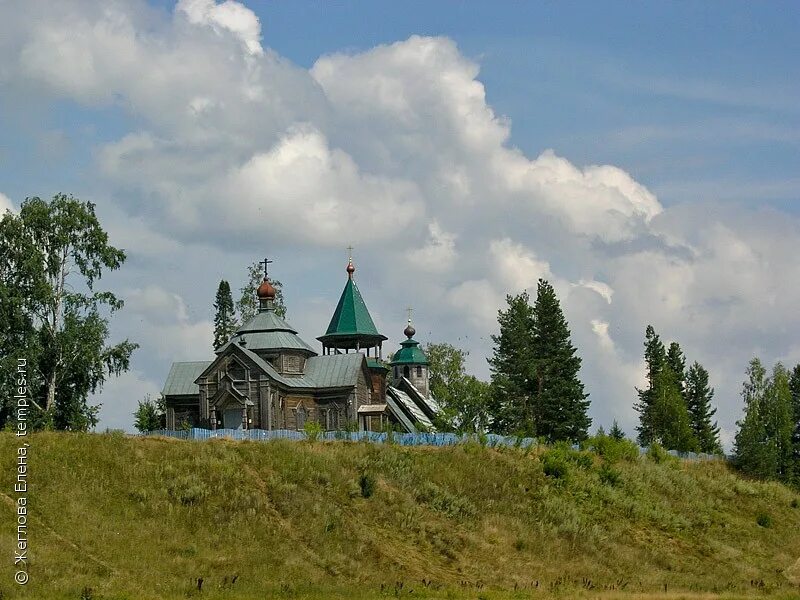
{"x": 409, "y": 354}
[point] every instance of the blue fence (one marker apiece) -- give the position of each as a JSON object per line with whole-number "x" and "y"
{"x": 401, "y": 439}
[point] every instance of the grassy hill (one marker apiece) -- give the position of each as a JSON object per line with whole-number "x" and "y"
{"x": 120, "y": 517}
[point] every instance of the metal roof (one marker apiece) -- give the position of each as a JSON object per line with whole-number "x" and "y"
{"x": 409, "y": 354}
{"x": 269, "y": 340}
{"x": 400, "y": 414}
{"x": 374, "y": 363}
{"x": 180, "y": 381}
{"x": 409, "y": 405}
{"x": 332, "y": 371}
{"x": 371, "y": 408}
{"x": 267, "y": 331}
{"x": 351, "y": 319}
{"x": 266, "y": 320}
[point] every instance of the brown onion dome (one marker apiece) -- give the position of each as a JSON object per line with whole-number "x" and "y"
{"x": 409, "y": 331}
{"x": 350, "y": 268}
{"x": 265, "y": 291}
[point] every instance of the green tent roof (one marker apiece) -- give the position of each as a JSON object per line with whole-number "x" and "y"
{"x": 409, "y": 354}
{"x": 351, "y": 319}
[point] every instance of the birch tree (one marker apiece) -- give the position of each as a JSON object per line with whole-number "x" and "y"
{"x": 51, "y": 256}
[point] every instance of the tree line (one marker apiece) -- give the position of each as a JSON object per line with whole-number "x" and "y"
{"x": 534, "y": 390}
{"x": 767, "y": 442}
{"x": 675, "y": 408}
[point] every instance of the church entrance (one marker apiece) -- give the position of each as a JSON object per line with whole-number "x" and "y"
{"x": 232, "y": 418}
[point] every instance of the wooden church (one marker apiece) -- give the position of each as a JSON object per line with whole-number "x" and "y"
{"x": 267, "y": 377}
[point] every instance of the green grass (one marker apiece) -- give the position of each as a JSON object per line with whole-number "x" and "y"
{"x": 120, "y": 517}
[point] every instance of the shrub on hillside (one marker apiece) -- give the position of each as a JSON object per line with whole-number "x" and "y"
{"x": 367, "y": 484}
{"x": 611, "y": 449}
{"x": 555, "y": 466}
{"x": 609, "y": 475}
{"x": 658, "y": 454}
{"x": 764, "y": 520}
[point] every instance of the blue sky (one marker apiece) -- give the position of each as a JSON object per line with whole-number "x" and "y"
{"x": 642, "y": 157}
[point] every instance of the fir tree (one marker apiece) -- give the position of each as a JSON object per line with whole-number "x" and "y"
{"x": 616, "y": 431}
{"x": 655, "y": 357}
{"x": 511, "y": 366}
{"x": 560, "y": 400}
{"x": 677, "y": 362}
{"x": 224, "y": 317}
{"x": 755, "y": 453}
{"x": 698, "y": 401}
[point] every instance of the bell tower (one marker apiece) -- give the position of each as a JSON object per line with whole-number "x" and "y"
{"x": 410, "y": 362}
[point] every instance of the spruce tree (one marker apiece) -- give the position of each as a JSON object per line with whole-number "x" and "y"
{"x": 224, "y": 317}
{"x": 698, "y": 401}
{"x": 655, "y": 357}
{"x": 677, "y": 362}
{"x": 511, "y": 367}
{"x": 616, "y": 431}
{"x": 560, "y": 400}
{"x": 755, "y": 453}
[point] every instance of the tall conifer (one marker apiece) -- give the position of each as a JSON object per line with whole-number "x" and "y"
{"x": 224, "y": 317}
{"x": 698, "y": 401}
{"x": 655, "y": 357}
{"x": 511, "y": 366}
{"x": 677, "y": 362}
{"x": 560, "y": 398}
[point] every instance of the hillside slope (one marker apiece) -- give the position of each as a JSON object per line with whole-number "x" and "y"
{"x": 120, "y": 517}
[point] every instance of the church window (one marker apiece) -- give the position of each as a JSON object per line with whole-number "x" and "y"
{"x": 300, "y": 417}
{"x": 293, "y": 364}
{"x": 419, "y": 371}
{"x": 406, "y": 372}
{"x": 332, "y": 418}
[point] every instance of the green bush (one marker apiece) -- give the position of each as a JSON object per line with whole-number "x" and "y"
{"x": 367, "y": 484}
{"x": 555, "y": 466}
{"x": 658, "y": 454}
{"x": 764, "y": 520}
{"x": 613, "y": 450}
{"x": 609, "y": 475}
{"x": 313, "y": 430}
{"x": 795, "y": 503}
